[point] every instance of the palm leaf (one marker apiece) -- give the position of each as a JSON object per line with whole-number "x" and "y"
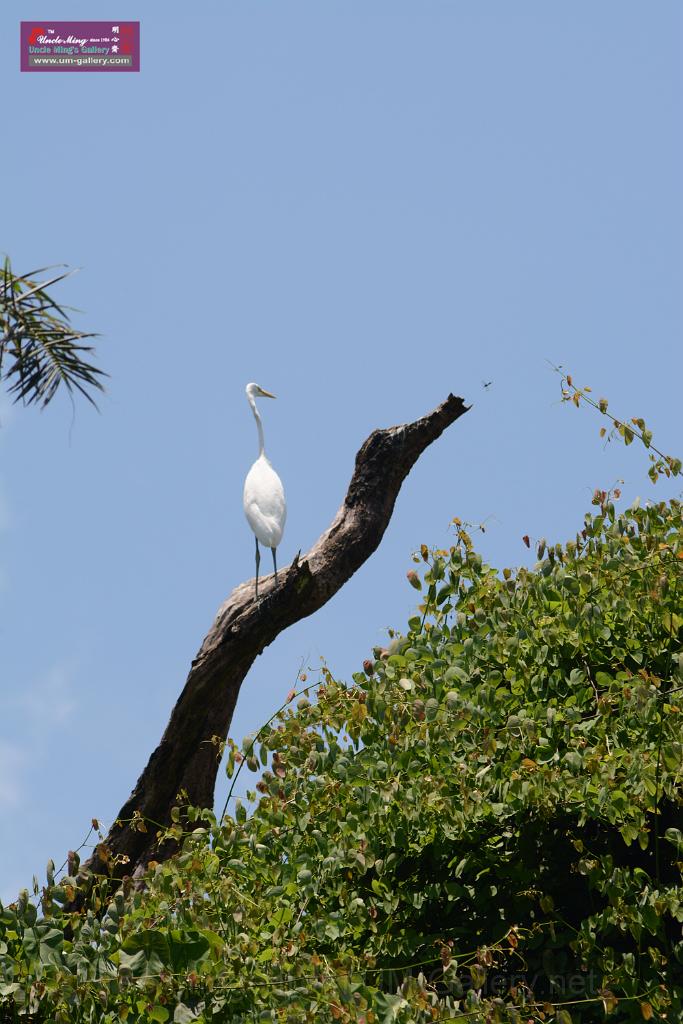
{"x": 39, "y": 348}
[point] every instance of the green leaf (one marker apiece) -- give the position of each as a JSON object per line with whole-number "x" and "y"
{"x": 675, "y": 836}
{"x": 574, "y": 760}
{"x": 44, "y": 944}
{"x": 186, "y": 950}
{"x": 571, "y": 584}
{"x": 432, "y": 709}
{"x": 183, "y": 1014}
{"x": 145, "y": 952}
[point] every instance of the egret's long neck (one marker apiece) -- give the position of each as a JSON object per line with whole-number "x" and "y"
{"x": 259, "y": 426}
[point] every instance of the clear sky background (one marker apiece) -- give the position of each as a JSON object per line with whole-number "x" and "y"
{"x": 361, "y": 206}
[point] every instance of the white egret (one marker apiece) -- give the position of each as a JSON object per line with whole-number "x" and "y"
{"x": 264, "y": 495}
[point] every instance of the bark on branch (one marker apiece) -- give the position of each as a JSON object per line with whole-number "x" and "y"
{"x": 186, "y": 758}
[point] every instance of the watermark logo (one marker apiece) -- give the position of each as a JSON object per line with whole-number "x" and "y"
{"x": 80, "y": 46}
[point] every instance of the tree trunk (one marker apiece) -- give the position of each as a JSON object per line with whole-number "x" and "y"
{"x": 187, "y": 757}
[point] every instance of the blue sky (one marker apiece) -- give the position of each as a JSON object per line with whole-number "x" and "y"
{"x": 361, "y": 207}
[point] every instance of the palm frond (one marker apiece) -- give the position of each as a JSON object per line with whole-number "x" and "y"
{"x": 39, "y": 348}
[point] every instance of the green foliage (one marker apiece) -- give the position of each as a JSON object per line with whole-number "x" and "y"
{"x": 485, "y": 826}
{"x": 39, "y": 348}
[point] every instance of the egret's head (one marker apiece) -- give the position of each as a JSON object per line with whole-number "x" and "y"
{"x": 256, "y": 391}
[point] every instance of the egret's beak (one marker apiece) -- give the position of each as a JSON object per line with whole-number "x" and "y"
{"x": 265, "y": 394}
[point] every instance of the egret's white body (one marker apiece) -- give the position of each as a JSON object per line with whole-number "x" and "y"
{"x": 264, "y": 496}
{"x": 264, "y": 502}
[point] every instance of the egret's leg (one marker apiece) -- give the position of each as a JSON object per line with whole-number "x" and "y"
{"x": 274, "y": 563}
{"x": 258, "y": 562}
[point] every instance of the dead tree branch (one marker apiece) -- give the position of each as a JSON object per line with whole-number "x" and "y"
{"x": 187, "y": 756}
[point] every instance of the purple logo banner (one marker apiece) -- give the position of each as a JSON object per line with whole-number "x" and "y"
{"x": 80, "y": 45}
